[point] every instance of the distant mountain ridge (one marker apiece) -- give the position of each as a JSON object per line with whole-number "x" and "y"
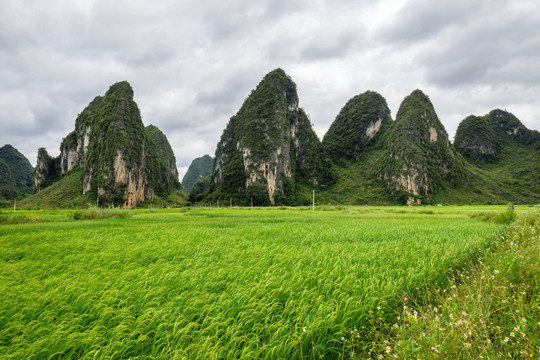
{"x": 366, "y": 157}
{"x": 199, "y": 168}
{"x": 269, "y": 154}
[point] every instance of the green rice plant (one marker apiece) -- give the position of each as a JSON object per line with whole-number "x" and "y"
{"x": 221, "y": 283}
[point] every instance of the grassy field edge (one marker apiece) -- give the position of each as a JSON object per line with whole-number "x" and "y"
{"x": 490, "y": 311}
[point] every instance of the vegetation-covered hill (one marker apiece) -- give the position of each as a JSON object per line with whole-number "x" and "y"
{"x": 120, "y": 161}
{"x": 16, "y": 174}
{"x": 482, "y": 139}
{"x": 160, "y": 162}
{"x": 419, "y": 160}
{"x": 199, "y": 168}
{"x": 504, "y": 159}
{"x": 268, "y": 151}
{"x": 361, "y": 122}
{"x": 269, "y": 154}
{"x": 380, "y": 161}
{"x": 8, "y": 187}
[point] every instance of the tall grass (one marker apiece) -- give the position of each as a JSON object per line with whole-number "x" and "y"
{"x": 221, "y": 283}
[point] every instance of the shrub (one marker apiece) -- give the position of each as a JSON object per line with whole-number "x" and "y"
{"x": 79, "y": 215}
{"x": 505, "y": 217}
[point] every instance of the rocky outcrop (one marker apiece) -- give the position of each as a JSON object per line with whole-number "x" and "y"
{"x": 420, "y": 160}
{"x": 46, "y": 171}
{"x": 267, "y": 147}
{"x": 109, "y": 141}
{"x": 360, "y": 123}
{"x": 122, "y": 162}
{"x": 199, "y": 168}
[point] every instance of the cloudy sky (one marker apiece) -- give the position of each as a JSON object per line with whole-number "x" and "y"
{"x": 192, "y": 63}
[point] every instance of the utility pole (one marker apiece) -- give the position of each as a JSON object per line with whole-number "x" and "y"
{"x": 313, "y": 200}
{"x": 14, "y": 205}
{"x": 97, "y": 202}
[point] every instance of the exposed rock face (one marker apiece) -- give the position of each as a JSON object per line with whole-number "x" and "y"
{"x": 20, "y": 169}
{"x": 198, "y": 169}
{"x": 47, "y": 170}
{"x": 356, "y": 126}
{"x": 114, "y": 155}
{"x": 420, "y": 158}
{"x": 122, "y": 162}
{"x": 74, "y": 147}
{"x": 267, "y": 146}
{"x": 480, "y": 138}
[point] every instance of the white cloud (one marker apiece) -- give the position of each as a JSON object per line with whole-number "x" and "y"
{"x": 192, "y": 63}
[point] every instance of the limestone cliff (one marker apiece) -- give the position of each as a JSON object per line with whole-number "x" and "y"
{"x": 74, "y": 147}
{"x": 420, "y": 160}
{"x": 46, "y": 171}
{"x": 268, "y": 147}
{"x": 123, "y": 163}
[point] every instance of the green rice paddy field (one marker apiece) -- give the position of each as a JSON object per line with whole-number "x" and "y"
{"x": 220, "y": 283}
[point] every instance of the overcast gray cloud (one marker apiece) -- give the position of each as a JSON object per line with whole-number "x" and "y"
{"x": 192, "y": 63}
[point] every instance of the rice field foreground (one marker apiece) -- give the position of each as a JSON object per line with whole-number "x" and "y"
{"x": 220, "y": 283}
